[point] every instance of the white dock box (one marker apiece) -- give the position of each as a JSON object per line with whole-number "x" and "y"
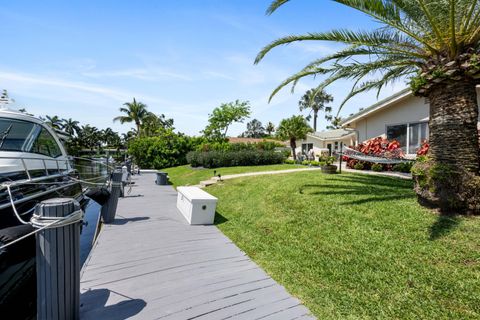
{"x": 196, "y": 205}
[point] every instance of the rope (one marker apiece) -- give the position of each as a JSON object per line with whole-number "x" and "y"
{"x": 42, "y": 223}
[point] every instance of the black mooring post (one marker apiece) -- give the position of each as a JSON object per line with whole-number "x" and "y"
{"x": 110, "y": 208}
{"x": 341, "y": 157}
{"x": 58, "y": 263}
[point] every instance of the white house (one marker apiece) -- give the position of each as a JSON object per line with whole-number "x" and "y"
{"x": 402, "y": 116}
{"x": 326, "y": 142}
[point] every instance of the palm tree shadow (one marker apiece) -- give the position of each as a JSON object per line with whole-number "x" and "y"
{"x": 443, "y": 226}
{"x": 93, "y": 305}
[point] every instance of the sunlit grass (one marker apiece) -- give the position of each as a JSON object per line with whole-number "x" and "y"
{"x": 355, "y": 246}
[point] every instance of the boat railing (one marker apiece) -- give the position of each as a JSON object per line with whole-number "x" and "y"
{"x": 60, "y": 168}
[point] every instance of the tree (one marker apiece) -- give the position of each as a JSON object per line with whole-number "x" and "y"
{"x": 315, "y": 100}
{"x": 135, "y": 112}
{"x": 334, "y": 122}
{"x": 70, "y": 126}
{"x": 292, "y": 129}
{"x": 55, "y": 122}
{"x": 436, "y": 45}
{"x": 255, "y": 129}
{"x": 270, "y": 128}
{"x": 224, "y": 116}
{"x": 153, "y": 124}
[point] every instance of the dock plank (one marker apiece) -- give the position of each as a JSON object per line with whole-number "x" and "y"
{"x": 150, "y": 264}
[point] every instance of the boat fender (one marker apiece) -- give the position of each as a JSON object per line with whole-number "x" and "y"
{"x": 99, "y": 195}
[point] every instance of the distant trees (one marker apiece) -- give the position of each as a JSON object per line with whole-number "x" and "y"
{"x": 316, "y": 101}
{"x": 255, "y": 129}
{"x": 292, "y": 129}
{"x": 270, "y": 128}
{"x": 334, "y": 122}
{"x": 55, "y": 122}
{"x": 224, "y": 116}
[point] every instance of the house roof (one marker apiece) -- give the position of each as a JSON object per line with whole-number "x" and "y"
{"x": 332, "y": 134}
{"x": 378, "y": 106}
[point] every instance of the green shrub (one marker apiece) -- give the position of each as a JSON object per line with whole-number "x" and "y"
{"x": 358, "y": 166}
{"x": 322, "y": 163}
{"x": 167, "y": 150}
{"x": 315, "y": 163}
{"x": 215, "y": 159}
{"x": 405, "y": 167}
{"x": 377, "y": 167}
{"x": 306, "y": 162}
{"x": 327, "y": 159}
{"x": 289, "y": 161}
{"x": 239, "y": 146}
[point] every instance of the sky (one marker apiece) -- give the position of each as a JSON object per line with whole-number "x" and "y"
{"x": 183, "y": 58}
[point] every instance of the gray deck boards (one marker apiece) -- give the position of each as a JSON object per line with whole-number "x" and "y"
{"x": 150, "y": 264}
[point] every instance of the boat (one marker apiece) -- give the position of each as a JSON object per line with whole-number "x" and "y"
{"x": 34, "y": 166}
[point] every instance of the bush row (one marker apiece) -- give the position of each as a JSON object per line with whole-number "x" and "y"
{"x": 240, "y": 146}
{"x": 362, "y": 165}
{"x": 215, "y": 159}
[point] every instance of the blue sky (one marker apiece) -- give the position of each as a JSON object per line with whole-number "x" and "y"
{"x": 83, "y": 59}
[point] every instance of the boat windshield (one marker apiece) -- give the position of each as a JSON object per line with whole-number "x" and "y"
{"x": 24, "y": 136}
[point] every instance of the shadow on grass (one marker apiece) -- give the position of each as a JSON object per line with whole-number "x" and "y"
{"x": 443, "y": 226}
{"x": 363, "y": 189}
{"x": 219, "y": 219}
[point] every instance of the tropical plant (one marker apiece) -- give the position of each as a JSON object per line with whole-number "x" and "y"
{"x": 70, "y": 126}
{"x": 335, "y": 122}
{"x": 270, "y": 128}
{"x": 436, "y": 45}
{"x": 292, "y": 129}
{"x": 55, "y": 122}
{"x": 224, "y": 116}
{"x": 255, "y": 129}
{"x": 135, "y": 112}
{"x": 315, "y": 100}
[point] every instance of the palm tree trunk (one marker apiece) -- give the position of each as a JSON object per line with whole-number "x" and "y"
{"x": 315, "y": 116}
{"x": 450, "y": 179}
{"x": 293, "y": 146}
{"x": 453, "y": 125}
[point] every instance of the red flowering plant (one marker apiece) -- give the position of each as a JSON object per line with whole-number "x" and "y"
{"x": 376, "y": 147}
{"x": 423, "y": 150}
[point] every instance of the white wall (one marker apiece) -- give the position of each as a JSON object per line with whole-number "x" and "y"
{"x": 321, "y": 145}
{"x": 411, "y": 109}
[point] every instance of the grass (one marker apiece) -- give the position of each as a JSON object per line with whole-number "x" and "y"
{"x": 355, "y": 246}
{"x": 186, "y": 175}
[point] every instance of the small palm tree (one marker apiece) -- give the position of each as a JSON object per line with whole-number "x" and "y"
{"x": 435, "y": 44}
{"x": 270, "y": 128}
{"x": 135, "y": 112}
{"x": 70, "y": 126}
{"x": 315, "y": 100}
{"x": 292, "y": 129}
{"x": 335, "y": 122}
{"x": 55, "y": 122}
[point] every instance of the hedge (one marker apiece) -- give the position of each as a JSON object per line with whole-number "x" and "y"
{"x": 216, "y": 159}
{"x": 167, "y": 150}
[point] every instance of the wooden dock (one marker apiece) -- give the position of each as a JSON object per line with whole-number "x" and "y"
{"x": 150, "y": 264}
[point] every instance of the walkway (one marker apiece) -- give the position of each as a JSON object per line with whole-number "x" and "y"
{"x": 150, "y": 264}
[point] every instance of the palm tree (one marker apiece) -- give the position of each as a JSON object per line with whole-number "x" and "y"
{"x": 270, "y": 128}
{"x": 335, "y": 122}
{"x": 55, "y": 122}
{"x": 435, "y": 44}
{"x": 136, "y": 112}
{"x": 315, "y": 100}
{"x": 292, "y": 129}
{"x": 70, "y": 126}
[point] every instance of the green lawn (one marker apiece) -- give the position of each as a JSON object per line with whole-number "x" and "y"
{"x": 355, "y": 246}
{"x": 186, "y": 175}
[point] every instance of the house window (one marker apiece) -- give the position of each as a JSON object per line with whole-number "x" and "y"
{"x": 410, "y": 135}
{"x": 306, "y": 147}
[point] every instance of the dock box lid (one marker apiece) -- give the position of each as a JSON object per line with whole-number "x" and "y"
{"x": 195, "y": 194}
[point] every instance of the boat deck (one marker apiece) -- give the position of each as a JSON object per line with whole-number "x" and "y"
{"x": 150, "y": 264}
